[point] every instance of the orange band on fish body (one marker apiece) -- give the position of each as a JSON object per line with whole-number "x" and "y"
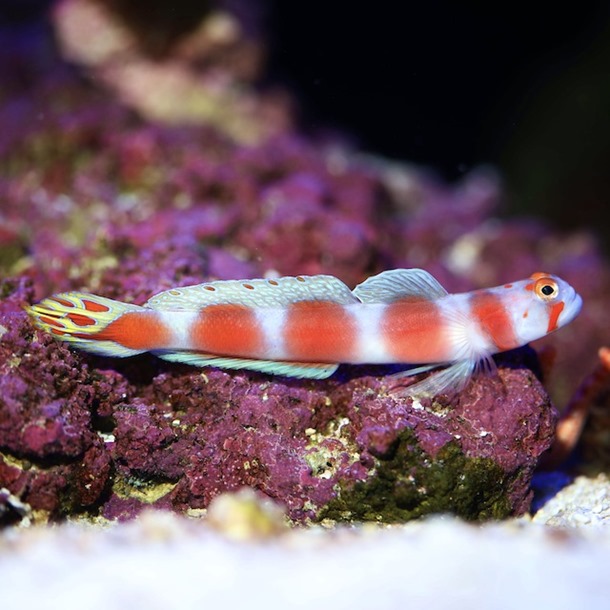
{"x": 138, "y": 331}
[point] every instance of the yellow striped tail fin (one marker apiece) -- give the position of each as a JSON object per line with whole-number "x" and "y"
{"x": 77, "y": 317}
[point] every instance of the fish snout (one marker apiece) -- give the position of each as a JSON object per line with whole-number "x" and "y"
{"x": 572, "y": 307}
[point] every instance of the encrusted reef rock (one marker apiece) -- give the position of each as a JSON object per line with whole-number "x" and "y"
{"x": 94, "y": 197}
{"x": 51, "y": 457}
{"x": 82, "y": 434}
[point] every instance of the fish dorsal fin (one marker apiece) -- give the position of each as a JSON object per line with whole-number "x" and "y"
{"x": 278, "y": 293}
{"x": 397, "y": 284}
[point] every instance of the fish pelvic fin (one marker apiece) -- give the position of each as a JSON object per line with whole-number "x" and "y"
{"x": 451, "y": 379}
{"x": 78, "y": 317}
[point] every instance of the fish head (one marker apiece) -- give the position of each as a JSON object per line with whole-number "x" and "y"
{"x": 547, "y": 303}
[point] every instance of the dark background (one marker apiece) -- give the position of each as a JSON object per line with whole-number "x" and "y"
{"x": 453, "y": 85}
{"x": 449, "y": 85}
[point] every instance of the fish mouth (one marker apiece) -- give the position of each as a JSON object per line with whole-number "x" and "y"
{"x": 571, "y": 310}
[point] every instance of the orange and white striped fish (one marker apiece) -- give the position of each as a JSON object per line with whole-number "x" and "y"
{"x": 306, "y": 326}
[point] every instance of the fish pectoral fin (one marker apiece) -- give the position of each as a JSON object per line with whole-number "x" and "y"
{"x": 396, "y": 284}
{"x": 304, "y": 370}
{"x": 451, "y": 379}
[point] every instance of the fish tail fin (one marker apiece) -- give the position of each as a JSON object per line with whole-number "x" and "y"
{"x": 79, "y": 318}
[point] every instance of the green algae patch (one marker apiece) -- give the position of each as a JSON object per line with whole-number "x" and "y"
{"x": 146, "y": 491}
{"x": 410, "y": 483}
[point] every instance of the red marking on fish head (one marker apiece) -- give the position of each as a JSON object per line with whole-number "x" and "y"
{"x": 531, "y": 286}
{"x": 554, "y": 312}
{"x": 539, "y": 275}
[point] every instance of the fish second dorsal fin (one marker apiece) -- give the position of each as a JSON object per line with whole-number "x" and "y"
{"x": 257, "y": 293}
{"x": 398, "y": 284}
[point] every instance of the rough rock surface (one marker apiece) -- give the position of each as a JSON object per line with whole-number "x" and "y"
{"x": 96, "y": 198}
{"x": 78, "y": 436}
{"x": 585, "y": 502}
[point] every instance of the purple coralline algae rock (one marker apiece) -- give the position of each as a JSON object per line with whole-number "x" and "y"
{"x": 95, "y": 198}
{"x": 50, "y": 455}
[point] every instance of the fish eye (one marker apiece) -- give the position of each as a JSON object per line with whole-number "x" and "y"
{"x": 546, "y": 289}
